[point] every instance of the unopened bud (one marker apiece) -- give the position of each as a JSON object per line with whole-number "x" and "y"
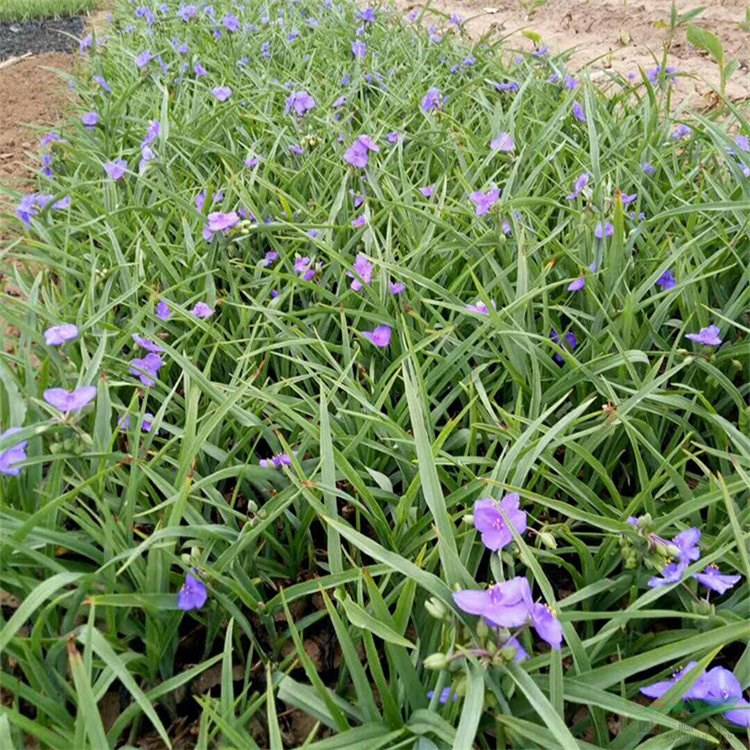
{"x": 437, "y": 609}
{"x": 508, "y": 653}
{"x": 548, "y": 540}
{"x": 436, "y": 661}
{"x": 483, "y": 629}
{"x": 468, "y": 519}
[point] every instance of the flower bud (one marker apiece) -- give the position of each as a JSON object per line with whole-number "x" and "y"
{"x": 508, "y": 653}
{"x": 436, "y": 661}
{"x": 468, "y": 519}
{"x": 483, "y": 629}
{"x": 548, "y": 540}
{"x": 437, "y": 609}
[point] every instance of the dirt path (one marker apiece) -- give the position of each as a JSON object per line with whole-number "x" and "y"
{"x": 618, "y": 35}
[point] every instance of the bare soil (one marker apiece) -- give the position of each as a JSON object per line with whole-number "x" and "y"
{"x": 32, "y": 95}
{"x": 47, "y": 35}
{"x": 616, "y": 35}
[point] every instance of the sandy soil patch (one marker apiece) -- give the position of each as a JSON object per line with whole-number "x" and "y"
{"x": 620, "y": 35}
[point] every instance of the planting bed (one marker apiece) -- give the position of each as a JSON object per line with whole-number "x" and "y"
{"x": 370, "y": 386}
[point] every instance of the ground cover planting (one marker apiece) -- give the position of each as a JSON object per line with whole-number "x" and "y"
{"x": 24, "y": 10}
{"x": 372, "y": 387}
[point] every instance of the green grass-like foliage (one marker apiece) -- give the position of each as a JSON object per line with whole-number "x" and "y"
{"x": 27, "y": 10}
{"x": 318, "y": 572}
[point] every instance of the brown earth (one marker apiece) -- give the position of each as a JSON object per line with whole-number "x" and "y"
{"x": 32, "y": 94}
{"x": 616, "y": 35}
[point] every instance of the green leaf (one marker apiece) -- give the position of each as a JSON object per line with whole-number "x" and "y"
{"x": 706, "y": 40}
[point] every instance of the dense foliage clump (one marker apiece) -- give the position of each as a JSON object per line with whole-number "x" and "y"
{"x": 374, "y": 389}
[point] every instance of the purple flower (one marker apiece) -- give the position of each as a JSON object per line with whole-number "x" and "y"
{"x": 29, "y": 205}
{"x": 277, "y": 461}
{"x": 47, "y": 165}
{"x": 299, "y": 101}
{"x": 146, "y": 369}
{"x": 577, "y": 284}
{"x": 367, "y": 15}
{"x": 90, "y": 119}
{"x": 743, "y": 142}
{"x": 186, "y": 12}
{"x": 493, "y": 520}
{"x": 657, "y": 689}
{"x": 222, "y": 93}
{"x": 362, "y": 272}
{"x": 147, "y": 344}
{"x": 143, "y": 59}
{"x": 628, "y": 199}
{"x": 50, "y": 137}
{"x": 648, "y": 168}
{"x": 202, "y": 310}
{"x": 432, "y": 100}
{"x": 103, "y": 83}
{"x": 116, "y": 169}
{"x": 358, "y": 154}
{"x": 13, "y": 455}
{"x": 717, "y": 687}
{"x": 667, "y": 280}
{"x": 712, "y": 579}
{"x": 547, "y": 626}
{"x": 521, "y": 653}
{"x": 231, "y": 23}
{"x": 63, "y": 203}
{"x": 653, "y": 74}
{"x": 297, "y": 150}
{"x": 507, "y": 86}
{"x": 359, "y": 50}
{"x": 192, "y": 595}
{"x": 380, "y": 337}
{"x": 446, "y": 694}
{"x": 222, "y": 222}
{"x": 504, "y": 142}
{"x": 58, "y": 335}
{"x": 304, "y": 267}
{"x": 578, "y": 186}
{"x": 270, "y": 258}
{"x": 578, "y": 112}
{"x": 252, "y": 161}
{"x": 686, "y": 543}
{"x": 483, "y": 202}
{"x": 503, "y": 605}
{"x": 393, "y": 137}
{"x": 199, "y": 70}
{"x": 708, "y": 336}
{"x": 480, "y": 308}
{"x": 85, "y": 43}
{"x": 396, "y": 287}
{"x": 162, "y": 310}
{"x": 681, "y": 131}
{"x": 428, "y": 191}
{"x": 604, "y": 229}
{"x": 540, "y": 52}
{"x": 569, "y": 338}
{"x": 152, "y": 133}
{"x": 67, "y": 401}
